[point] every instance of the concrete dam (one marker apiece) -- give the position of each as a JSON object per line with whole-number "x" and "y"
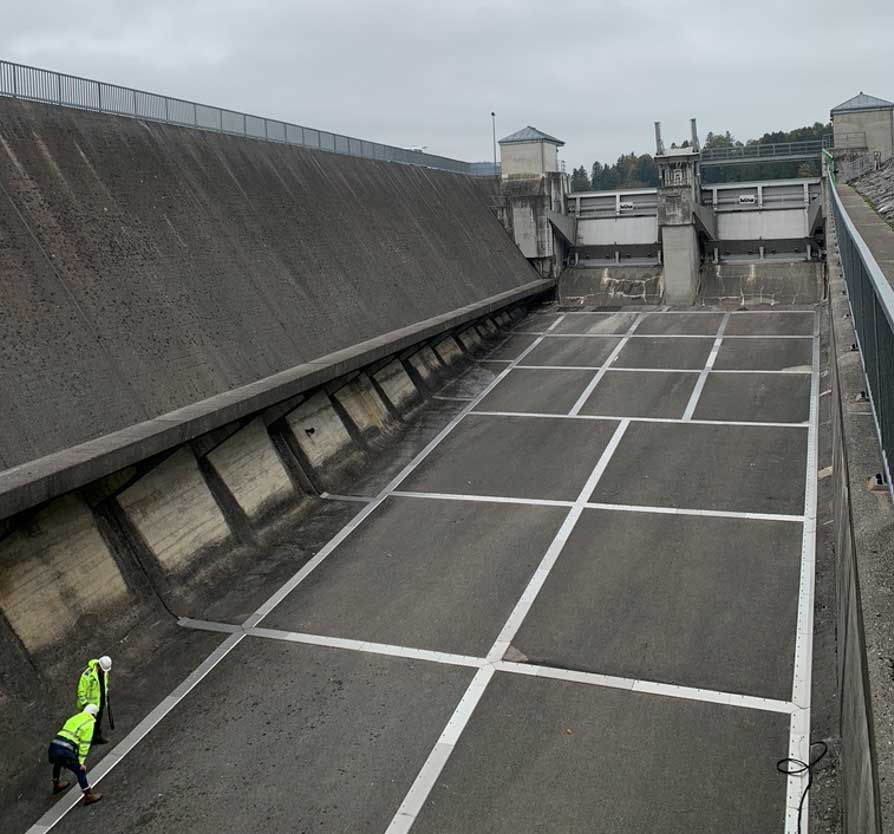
{"x": 410, "y": 499}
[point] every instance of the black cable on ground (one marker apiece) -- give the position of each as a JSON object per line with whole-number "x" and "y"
{"x": 795, "y": 767}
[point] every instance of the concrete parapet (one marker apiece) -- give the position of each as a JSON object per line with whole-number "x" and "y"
{"x": 173, "y": 510}
{"x": 252, "y": 471}
{"x": 397, "y": 386}
{"x": 57, "y": 569}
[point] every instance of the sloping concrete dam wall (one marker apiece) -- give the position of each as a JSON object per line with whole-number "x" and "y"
{"x": 145, "y": 269}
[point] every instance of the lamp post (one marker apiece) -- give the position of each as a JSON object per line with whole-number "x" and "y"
{"x": 493, "y": 120}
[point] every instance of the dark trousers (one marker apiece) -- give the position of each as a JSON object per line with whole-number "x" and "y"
{"x": 97, "y": 727}
{"x": 61, "y": 756}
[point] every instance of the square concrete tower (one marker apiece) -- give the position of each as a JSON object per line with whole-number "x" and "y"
{"x": 529, "y": 152}
{"x": 864, "y": 123}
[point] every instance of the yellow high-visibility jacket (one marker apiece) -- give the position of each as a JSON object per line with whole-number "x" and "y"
{"x": 89, "y": 691}
{"x": 79, "y": 730}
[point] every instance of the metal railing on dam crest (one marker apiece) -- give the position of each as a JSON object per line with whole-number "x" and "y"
{"x": 49, "y": 87}
{"x": 871, "y": 300}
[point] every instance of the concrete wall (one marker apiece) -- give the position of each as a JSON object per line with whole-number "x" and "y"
{"x": 526, "y": 158}
{"x": 681, "y": 259}
{"x": 611, "y": 285}
{"x": 146, "y": 267}
{"x": 864, "y": 529}
{"x": 762, "y": 282}
{"x": 878, "y": 125}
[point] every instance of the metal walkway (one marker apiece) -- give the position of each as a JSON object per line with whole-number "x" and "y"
{"x": 585, "y": 603}
{"x": 766, "y": 152}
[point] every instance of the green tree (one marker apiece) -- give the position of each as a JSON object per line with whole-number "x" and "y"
{"x": 579, "y": 179}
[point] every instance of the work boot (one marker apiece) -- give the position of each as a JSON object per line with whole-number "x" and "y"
{"x": 91, "y": 796}
{"x": 59, "y": 786}
{"x": 99, "y": 740}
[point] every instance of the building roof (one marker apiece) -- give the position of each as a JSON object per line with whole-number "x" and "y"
{"x": 530, "y": 134}
{"x": 863, "y": 102}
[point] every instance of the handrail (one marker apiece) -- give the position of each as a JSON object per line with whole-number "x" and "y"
{"x": 767, "y": 150}
{"x": 50, "y": 87}
{"x": 871, "y": 300}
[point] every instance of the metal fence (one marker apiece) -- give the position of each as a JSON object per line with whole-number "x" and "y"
{"x": 871, "y": 301}
{"x": 850, "y": 169}
{"x": 35, "y": 84}
{"x": 766, "y": 151}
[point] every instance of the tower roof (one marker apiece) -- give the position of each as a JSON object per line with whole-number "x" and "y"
{"x": 861, "y": 101}
{"x": 530, "y": 134}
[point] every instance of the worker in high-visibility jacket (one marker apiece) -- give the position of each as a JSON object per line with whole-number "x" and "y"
{"x": 69, "y": 749}
{"x": 93, "y": 688}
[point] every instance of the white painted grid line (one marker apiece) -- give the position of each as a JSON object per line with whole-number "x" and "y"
{"x": 672, "y": 690}
{"x": 453, "y": 399}
{"x": 702, "y": 336}
{"x": 367, "y": 646}
{"x": 632, "y": 508}
{"x": 684, "y": 312}
{"x": 334, "y": 496}
{"x": 484, "y": 499}
{"x": 799, "y": 736}
{"x": 585, "y": 394}
{"x": 789, "y": 371}
{"x": 595, "y": 505}
{"x": 686, "y": 693}
{"x": 555, "y": 324}
{"x": 703, "y": 376}
{"x": 544, "y": 415}
{"x": 434, "y": 764}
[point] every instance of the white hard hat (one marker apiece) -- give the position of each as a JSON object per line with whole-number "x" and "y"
{"x": 105, "y": 663}
{"x": 91, "y": 709}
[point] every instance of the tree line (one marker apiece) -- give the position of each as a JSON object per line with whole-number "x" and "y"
{"x": 640, "y": 171}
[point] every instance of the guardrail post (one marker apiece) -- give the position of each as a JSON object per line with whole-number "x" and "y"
{"x": 134, "y": 102}
{"x": 59, "y": 88}
{"x": 15, "y": 83}
{"x": 167, "y": 115}
{"x": 99, "y": 96}
{"x": 244, "y": 126}
{"x": 195, "y": 115}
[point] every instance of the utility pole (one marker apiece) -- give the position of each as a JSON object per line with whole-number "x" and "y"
{"x": 493, "y": 119}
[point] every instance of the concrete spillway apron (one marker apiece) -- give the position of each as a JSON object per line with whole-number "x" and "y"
{"x": 237, "y": 634}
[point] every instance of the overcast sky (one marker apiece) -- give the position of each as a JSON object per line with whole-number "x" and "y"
{"x": 596, "y": 74}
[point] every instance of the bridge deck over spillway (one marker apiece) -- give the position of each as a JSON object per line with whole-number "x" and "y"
{"x": 585, "y": 605}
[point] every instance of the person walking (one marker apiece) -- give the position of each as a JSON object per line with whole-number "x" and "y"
{"x": 93, "y": 688}
{"x": 69, "y": 749}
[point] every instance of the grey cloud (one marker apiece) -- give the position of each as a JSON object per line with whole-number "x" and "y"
{"x": 596, "y": 74}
